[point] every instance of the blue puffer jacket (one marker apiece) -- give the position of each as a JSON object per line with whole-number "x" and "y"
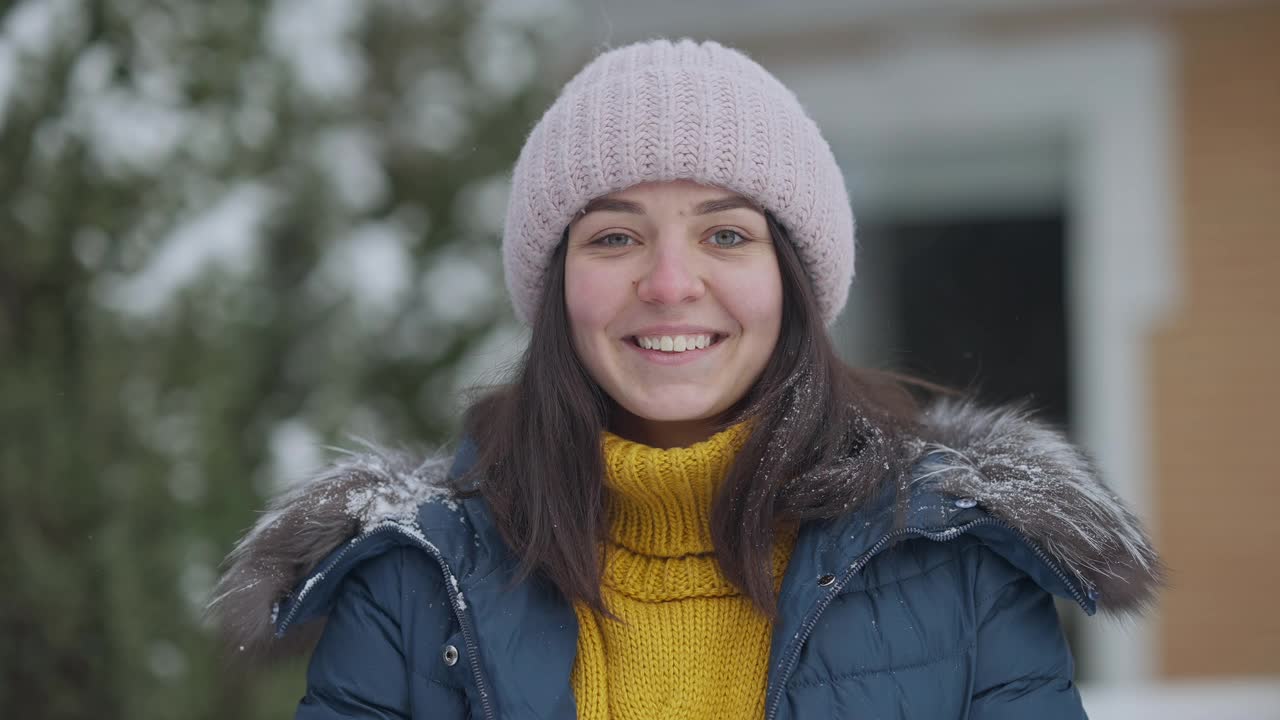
{"x": 947, "y": 614}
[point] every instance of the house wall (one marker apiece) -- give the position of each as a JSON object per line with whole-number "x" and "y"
{"x": 1215, "y": 370}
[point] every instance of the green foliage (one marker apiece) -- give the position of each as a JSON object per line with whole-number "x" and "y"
{"x": 231, "y": 233}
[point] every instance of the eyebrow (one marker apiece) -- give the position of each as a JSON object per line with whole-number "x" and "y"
{"x": 607, "y": 204}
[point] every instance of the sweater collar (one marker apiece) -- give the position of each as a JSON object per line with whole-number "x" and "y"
{"x": 659, "y": 501}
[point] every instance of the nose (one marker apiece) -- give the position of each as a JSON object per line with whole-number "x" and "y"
{"x": 671, "y": 277}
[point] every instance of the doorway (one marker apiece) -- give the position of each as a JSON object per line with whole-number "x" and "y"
{"x": 977, "y": 304}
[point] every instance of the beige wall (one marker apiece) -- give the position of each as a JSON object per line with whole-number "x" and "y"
{"x": 1216, "y": 370}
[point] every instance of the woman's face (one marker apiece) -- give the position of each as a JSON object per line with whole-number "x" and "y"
{"x": 675, "y": 303}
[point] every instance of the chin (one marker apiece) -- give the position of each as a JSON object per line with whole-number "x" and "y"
{"x": 671, "y": 412}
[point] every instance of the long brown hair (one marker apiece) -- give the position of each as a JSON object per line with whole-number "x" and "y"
{"x": 825, "y": 438}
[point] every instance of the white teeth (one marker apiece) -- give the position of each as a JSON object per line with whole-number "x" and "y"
{"x": 674, "y": 343}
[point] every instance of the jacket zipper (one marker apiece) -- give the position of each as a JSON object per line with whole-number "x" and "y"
{"x": 451, "y": 586}
{"x": 802, "y": 637}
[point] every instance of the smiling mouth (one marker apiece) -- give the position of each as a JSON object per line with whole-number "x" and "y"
{"x": 675, "y": 344}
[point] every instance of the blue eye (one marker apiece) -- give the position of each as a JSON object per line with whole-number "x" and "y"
{"x": 613, "y": 240}
{"x": 727, "y": 238}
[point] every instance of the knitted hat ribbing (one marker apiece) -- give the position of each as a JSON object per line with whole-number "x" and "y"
{"x": 658, "y": 111}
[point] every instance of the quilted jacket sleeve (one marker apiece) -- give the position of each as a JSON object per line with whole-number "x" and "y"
{"x": 1024, "y": 667}
{"x": 358, "y": 669}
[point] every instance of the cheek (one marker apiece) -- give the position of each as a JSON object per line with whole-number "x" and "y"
{"x": 591, "y": 299}
{"x": 755, "y": 301}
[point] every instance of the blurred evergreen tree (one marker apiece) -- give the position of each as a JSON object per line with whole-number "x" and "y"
{"x": 230, "y": 233}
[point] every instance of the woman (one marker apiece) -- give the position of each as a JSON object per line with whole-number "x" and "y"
{"x": 685, "y": 505}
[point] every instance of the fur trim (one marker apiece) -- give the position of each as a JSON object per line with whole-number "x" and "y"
{"x": 1019, "y": 470}
{"x": 1027, "y": 474}
{"x": 304, "y": 526}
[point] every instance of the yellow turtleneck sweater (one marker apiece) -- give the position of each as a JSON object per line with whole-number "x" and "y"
{"x": 686, "y": 643}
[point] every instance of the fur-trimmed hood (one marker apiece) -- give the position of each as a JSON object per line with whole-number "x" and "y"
{"x": 1029, "y": 476}
{"x": 998, "y": 465}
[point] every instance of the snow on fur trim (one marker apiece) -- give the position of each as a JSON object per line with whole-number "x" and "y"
{"x": 1029, "y": 475}
{"x": 304, "y": 525}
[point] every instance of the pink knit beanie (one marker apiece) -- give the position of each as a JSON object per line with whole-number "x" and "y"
{"x": 658, "y": 111}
